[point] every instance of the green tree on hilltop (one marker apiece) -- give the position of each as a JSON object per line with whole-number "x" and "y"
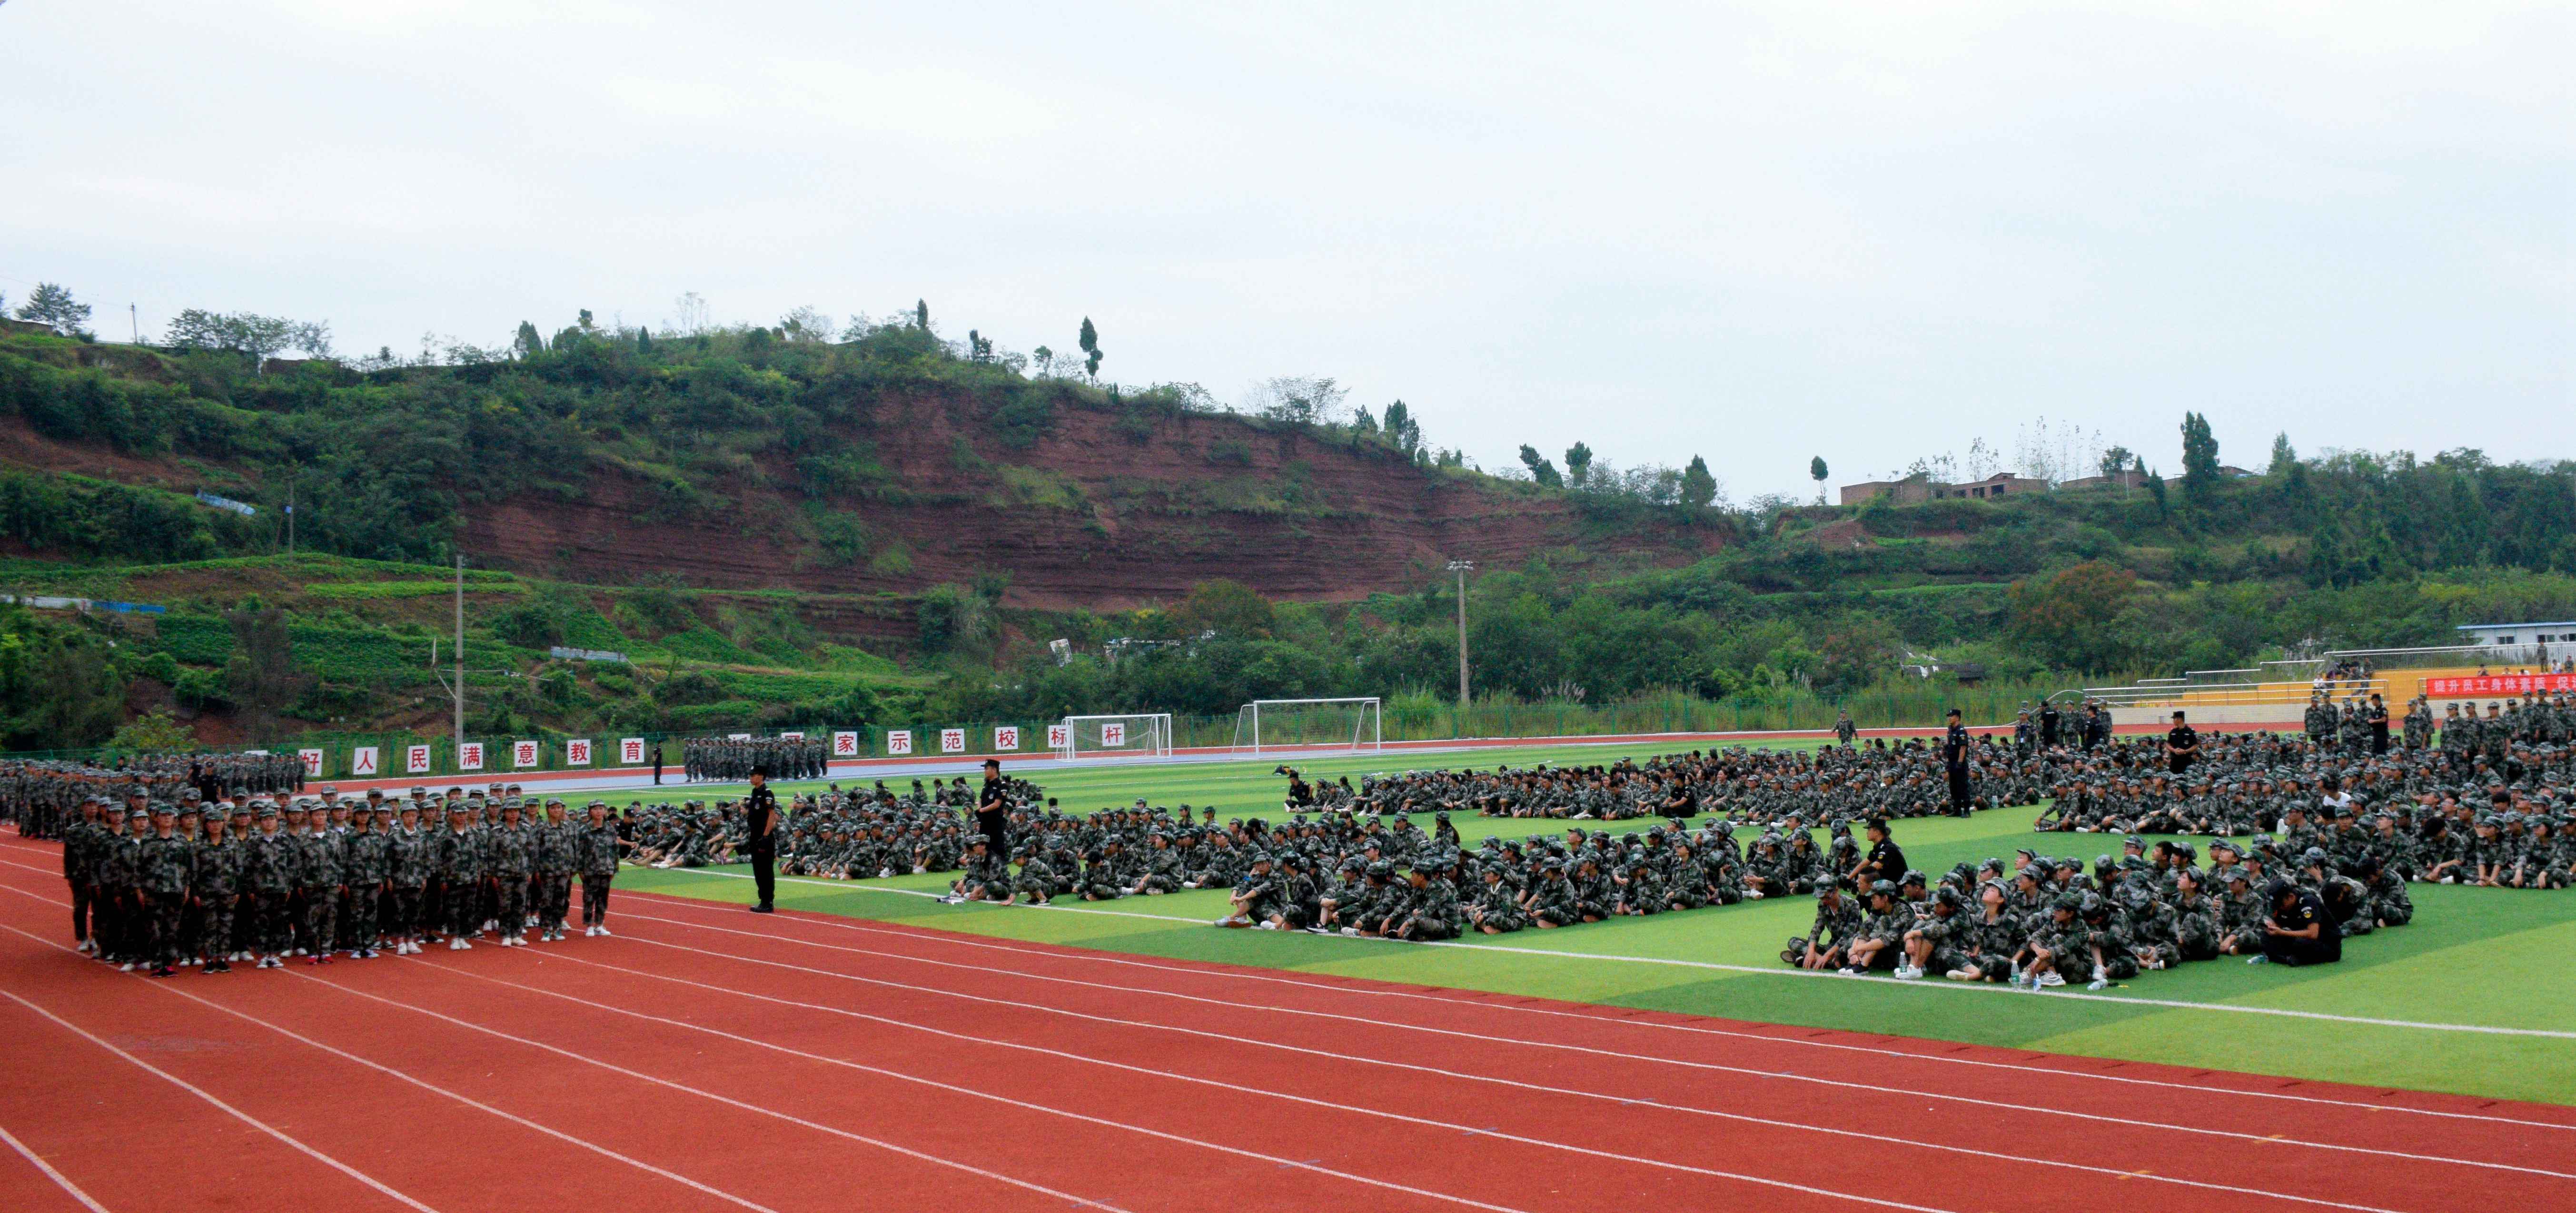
{"x": 1699, "y": 488}
{"x": 1089, "y": 340}
{"x": 52, "y": 304}
{"x": 2199, "y": 455}
{"x": 1540, "y": 469}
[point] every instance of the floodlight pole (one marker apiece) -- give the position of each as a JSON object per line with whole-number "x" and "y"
{"x": 1460, "y": 567}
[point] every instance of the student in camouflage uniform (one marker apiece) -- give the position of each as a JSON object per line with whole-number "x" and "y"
{"x": 460, "y": 877}
{"x": 164, "y": 869}
{"x": 368, "y": 856}
{"x": 986, "y": 878}
{"x": 410, "y": 859}
{"x": 557, "y": 855}
{"x": 323, "y": 873}
{"x": 1161, "y": 872}
{"x": 599, "y": 846}
{"x": 217, "y": 867}
{"x": 509, "y": 859}
{"x": 1837, "y": 926}
{"x": 1985, "y": 944}
{"x": 1255, "y": 899}
{"x": 1431, "y": 910}
{"x": 1497, "y": 908}
{"x": 272, "y": 867}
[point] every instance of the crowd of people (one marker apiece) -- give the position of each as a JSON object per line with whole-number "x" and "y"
{"x": 250, "y": 877}
{"x": 1907, "y": 778}
{"x": 2341, "y": 818}
{"x": 732, "y": 759}
{"x": 43, "y": 797}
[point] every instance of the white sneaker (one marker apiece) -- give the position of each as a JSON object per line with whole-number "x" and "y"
{"x": 1753, "y": 895}
{"x": 603, "y": 928}
{"x": 1907, "y": 973}
{"x": 2098, "y": 983}
{"x": 127, "y": 967}
{"x": 2050, "y": 978}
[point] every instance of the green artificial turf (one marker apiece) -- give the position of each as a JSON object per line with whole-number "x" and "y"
{"x": 2474, "y": 958}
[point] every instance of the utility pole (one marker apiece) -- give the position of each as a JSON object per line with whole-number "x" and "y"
{"x": 460, "y": 646}
{"x": 1460, "y": 567}
{"x": 135, "y": 319}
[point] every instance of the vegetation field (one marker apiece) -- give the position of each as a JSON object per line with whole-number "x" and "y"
{"x": 2475, "y": 997}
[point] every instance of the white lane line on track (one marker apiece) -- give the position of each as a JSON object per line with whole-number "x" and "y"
{"x": 425, "y": 1085}
{"x": 236, "y": 1113}
{"x": 1078, "y": 1201}
{"x": 969, "y": 1168}
{"x": 966, "y": 941}
{"x": 1094, "y": 956}
{"x": 2079, "y": 998}
{"x": 1645, "y": 1057}
{"x": 2059, "y": 997}
{"x": 1233, "y": 1039}
{"x": 60, "y": 1180}
{"x": 1156, "y": 1133}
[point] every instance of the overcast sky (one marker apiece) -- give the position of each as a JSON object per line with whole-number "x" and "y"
{"x": 1754, "y": 232}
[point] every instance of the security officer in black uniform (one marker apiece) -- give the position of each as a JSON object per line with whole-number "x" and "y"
{"x": 2182, "y": 745}
{"x": 760, "y": 819}
{"x": 993, "y": 809}
{"x": 1954, "y": 760}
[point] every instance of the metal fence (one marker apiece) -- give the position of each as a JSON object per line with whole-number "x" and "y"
{"x": 343, "y": 755}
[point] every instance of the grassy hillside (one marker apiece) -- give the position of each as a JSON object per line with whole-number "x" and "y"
{"x": 894, "y": 527}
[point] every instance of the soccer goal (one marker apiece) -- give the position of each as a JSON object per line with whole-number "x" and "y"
{"x": 1326, "y": 725}
{"x": 1141, "y": 735}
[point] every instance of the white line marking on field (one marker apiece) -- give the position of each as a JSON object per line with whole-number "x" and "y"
{"x": 60, "y": 1180}
{"x": 236, "y": 1113}
{"x": 1229, "y": 1038}
{"x": 934, "y": 1084}
{"x": 1183, "y": 1077}
{"x": 424, "y": 1084}
{"x": 1284, "y": 977}
{"x": 726, "y": 1100}
{"x": 1977, "y": 987}
{"x": 1646, "y": 1057}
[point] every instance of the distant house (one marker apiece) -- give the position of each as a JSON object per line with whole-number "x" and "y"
{"x": 1903, "y": 492}
{"x": 1998, "y": 485}
{"x": 2522, "y": 641}
{"x": 2126, "y": 478}
{"x": 1921, "y": 488}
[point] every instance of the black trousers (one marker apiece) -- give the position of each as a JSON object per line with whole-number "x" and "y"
{"x": 2326, "y": 948}
{"x": 764, "y": 873}
{"x": 1958, "y": 786}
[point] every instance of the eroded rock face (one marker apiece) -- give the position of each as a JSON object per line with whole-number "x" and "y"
{"x": 1086, "y": 517}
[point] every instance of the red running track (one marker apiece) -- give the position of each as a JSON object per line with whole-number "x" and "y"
{"x": 709, "y": 1059}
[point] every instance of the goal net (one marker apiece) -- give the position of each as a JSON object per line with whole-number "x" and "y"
{"x": 1311, "y": 725}
{"x": 1144, "y": 735}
